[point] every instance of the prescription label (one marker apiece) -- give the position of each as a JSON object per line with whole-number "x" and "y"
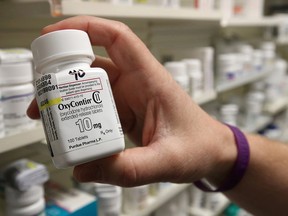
{"x": 77, "y": 109}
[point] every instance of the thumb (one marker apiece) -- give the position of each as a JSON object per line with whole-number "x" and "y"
{"x": 132, "y": 167}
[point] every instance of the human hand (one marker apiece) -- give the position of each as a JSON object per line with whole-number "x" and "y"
{"x": 178, "y": 142}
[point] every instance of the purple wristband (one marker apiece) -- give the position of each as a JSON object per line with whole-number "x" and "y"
{"x": 239, "y": 167}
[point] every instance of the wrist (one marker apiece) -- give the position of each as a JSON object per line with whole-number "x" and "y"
{"x": 225, "y": 156}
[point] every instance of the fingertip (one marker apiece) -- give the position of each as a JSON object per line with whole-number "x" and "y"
{"x": 88, "y": 172}
{"x": 32, "y": 110}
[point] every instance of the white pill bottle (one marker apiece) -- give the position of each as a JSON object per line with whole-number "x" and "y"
{"x": 17, "y": 91}
{"x": 76, "y": 104}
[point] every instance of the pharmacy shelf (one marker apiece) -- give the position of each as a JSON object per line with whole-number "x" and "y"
{"x": 283, "y": 42}
{"x": 164, "y": 196}
{"x": 241, "y": 81}
{"x": 276, "y": 106}
{"x": 205, "y": 212}
{"x": 251, "y": 22}
{"x": 206, "y": 97}
{"x": 25, "y": 8}
{"x": 23, "y": 138}
{"x": 260, "y": 123}
{"x": 77, "y": 7}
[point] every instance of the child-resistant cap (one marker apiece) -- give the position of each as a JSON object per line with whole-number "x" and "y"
{"x": 16, "y": 73}
{"x": 60, "y": 45}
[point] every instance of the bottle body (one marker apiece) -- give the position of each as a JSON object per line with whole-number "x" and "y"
{"x": 2, "y": 126}
{"x": 79, "y": 115}
{"x": 15, "y": 101}
{"x": 25, "y": 203}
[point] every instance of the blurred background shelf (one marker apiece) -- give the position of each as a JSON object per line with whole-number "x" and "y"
{"x": 222, "y": 87}
{"x": 164, "y": 196}
{"x": 136, "y": 11}
{"x": 251, "y": 22}
{"x": 23, "y": 138}
{"x": 276, "y": 106}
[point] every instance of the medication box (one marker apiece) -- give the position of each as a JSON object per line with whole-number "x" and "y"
{"x": 73, "y": 202}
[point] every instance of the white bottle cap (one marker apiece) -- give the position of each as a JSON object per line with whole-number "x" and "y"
{"x": 176, "y": 68}
{"x": 229, "y": 109}
{"x": 36, "y": 208}
{"x": 60, "y": 45}
{"x": 16, "y": 73}
{"x": 193, "y": 64}
{"x": 18, "y": 198}
{"x": 15, "y": 55}
{"x": 268, "y": 45}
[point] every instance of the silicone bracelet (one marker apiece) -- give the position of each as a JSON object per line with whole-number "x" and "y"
{"x": 239, "y": 168}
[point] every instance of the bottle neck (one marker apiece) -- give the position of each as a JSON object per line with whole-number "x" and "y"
{"x": 60, "y": 65}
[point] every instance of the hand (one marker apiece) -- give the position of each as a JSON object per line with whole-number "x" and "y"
{"x": 178, "y": 142}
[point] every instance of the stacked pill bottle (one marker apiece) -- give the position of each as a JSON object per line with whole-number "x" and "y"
{"x": 24, "y": 190}
{"x": 2, "y": 126}
{"x": 76, "y": 103}
{"x": 17, "y": 91}
{"x": 195, "y": 77}
{"x": 178, "y": 71}
{"x": 25, "y": 203}
{"x": 109, "y": 199}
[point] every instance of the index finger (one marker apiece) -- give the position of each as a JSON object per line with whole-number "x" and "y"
{"x": 125, "y": 49}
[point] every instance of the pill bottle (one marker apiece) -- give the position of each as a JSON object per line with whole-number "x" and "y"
{"x": 179, "y": 73}
{"x": 257, "y": 61}
{"x": 25, "y": 203}
{"x": 124, "y": 2}
{"x": 16, "y": 76}
{"x": 109, "y": 199}
{"x": 195, "y": 77}
{"x": 76, "y": 104}
{"x": 135, "y": 198}
{"x": 246, "y": 53}
{"x": 229, "y": 113}
{"x": 206, "y": 56}
{"x": 2, "y": 126}
{"x": 229, "y": 67}
{"x": 254, "y": 102}
{"x": 269, "y": 55}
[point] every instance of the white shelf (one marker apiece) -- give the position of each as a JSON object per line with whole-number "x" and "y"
{"x": 251, "y": 22}
{"x": 281, "y": 42}
{"x": 276, "y": 106}
{"x": 229, "y": 85}
{"x": 260, "y": 123}
{"x": 77, "y": 7}
{"x": 23, "y": 138}
{"x": 155, "y": 202}
{"x": 205, "y": 212}
{"x": 206, "y": 97}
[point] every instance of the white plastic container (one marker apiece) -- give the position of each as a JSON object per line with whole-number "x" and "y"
{"x": 246, "y": 51}
{"x": 16, "y": 198}
{"x": 25, "y": 203}
{"x": 258, "y": 61}
{"x": 36, "y": 209}
{"x": 135, "y": 198}
{"x": 16, "y": 99}
{"x": 16, "y": 76}
{"x": 229, "y": 113}
{"x": 275, "y": 82}
{"x": 109, "y": 199}
{"x": 254, "y": 106}
{"x": 269, "y": 55}
{"x": 229, "y": 67}
{"x": 2, "y": 126}
{"x": 75, "y": 101}
{"x": 206, "y": 56}
{"x": 195, "y": 77}
{"x": 124, "y": 2}
{"x": 178, "y": 71}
